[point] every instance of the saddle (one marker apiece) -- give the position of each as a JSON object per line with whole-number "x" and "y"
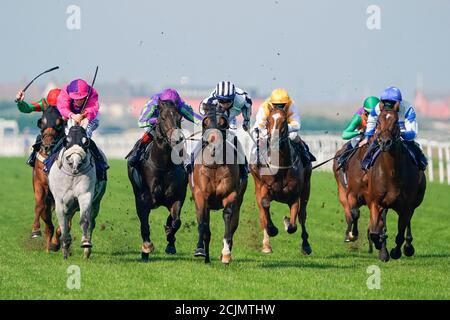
{"x": 410, "y": 147}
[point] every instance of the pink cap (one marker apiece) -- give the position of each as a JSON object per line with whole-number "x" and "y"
{"x": 78, "y": 89}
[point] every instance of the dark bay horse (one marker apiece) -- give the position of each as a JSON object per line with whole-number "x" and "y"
{"x": 52, "y": 130}
{"x": 216, "y": 183}
{"x": 394, "y": 182}
{"x": 352, "y": 189}
{"x": 287, "y": 181}
{"x": 161, "y": 182}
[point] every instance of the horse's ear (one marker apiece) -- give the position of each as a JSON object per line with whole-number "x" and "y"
{"x": 397, "y": 106}
{"x": 39, "y": 124}
{"x": 381, "y": 104}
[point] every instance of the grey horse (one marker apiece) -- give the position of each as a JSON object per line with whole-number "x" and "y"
{"x": 74, "y": 185}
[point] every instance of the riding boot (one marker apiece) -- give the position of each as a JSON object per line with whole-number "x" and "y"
{"x": 100, "y": 162}
{"x": 367, "y": 160}
{"x": 344, "y": 156}
{"x": 48, "y": 162}
{"x": 36, "y": 146}
{"x": 421, "y": 159}
{"x": 135, "y": 156}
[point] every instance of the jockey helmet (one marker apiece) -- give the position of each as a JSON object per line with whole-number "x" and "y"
{"x": 52, "y": 97}
{"x": 392, "y": 94}
{"x": 170, "y": 95}
{"x": 225, "y": 90}
{"x": 78, "y": 89}
{"x": 370, "y": 103}
{"x": 279, "y": 96}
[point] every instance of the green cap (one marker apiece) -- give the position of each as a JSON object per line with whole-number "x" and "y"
{"x": 370, "y": 103}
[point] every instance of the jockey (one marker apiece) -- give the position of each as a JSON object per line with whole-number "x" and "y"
{"x": 357, "y": 127}
{"x": 281, "y": 99}
{"x": 149, "y": 116}
{"x": 37, "y": 106}
{"x": 234, "y": 101}
{"x": 78, "y": 103}
{"x": 407, "y": 122}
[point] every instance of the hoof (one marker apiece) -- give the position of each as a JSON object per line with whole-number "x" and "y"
{"x": 200, "y": 252}
{"x": 370, "y": 249}
{"x": 144, "y": 256}
{"x": 226, "y": 258}
{"x": 306, "y": 249}
{"x": 352, "y": 237}
{"x": 148, "y": 247}
{"x": 384, "y": 255}
{"x": 288, "y": 227}
{"x": 171, "y": 249}
{"x": 36, "y": 234}
{"x": 66, "y": 253}
{"x": 53, "y": 247}
{"x": 396, "y": 253}
{"x": 408, "y": 250}
{"x": 272, "y": 231}
{"x": 207, "y": 260}
{"x": 87, "y": 253}
{"x": 376, "y": 240}
{"x": 267, "y": 249}
{"x": 86, "y": 244}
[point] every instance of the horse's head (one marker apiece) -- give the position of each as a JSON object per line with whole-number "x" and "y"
{"x": 52, "y": 128}
{"x": 76, "y": 144}
{"x": 214, "y": 126}
{"x": 277, "y": 125}
{"x": 168, "y": 125}
{"x": 388, "y": 130}
{"x": 215, "y": 121}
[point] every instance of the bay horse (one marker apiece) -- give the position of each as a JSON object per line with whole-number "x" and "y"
{"x": 394, "y": 182}
{"x": 160, "y": 181}
{"x": 352, "y": 189}
{"x": 288, "y": 181}
{"x": 51, "y": 125}
{"x": 216, "y": 182}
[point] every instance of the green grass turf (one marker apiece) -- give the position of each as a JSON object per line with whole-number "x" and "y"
{"x": 334, "y": 270}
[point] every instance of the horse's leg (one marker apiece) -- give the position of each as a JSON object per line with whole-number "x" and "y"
{"x": 370, "y": 241}
{"x": 306, "y": 247}
{"x": 63, "y": 220}
{"x": 290, "y": 224}
{"x": 172, "y": 225}
{"x": 263, "y": 202}
{"x": 39, "y": 207}
{"x": 348, "y": 216}
{"x": 378, "y": 230}
{"x": 304, "y": 198}
{"x": 231, "y": 220}
{"x": 143, "y": 212}
{"x": 408, "y": 248}
{"x": 204, "y": 232}
{"x": 352, "y": 218}
{"x": 404, "y": 219}
{"x": 49, "y": 227}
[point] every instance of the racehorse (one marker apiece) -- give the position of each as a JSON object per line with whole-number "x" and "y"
{"x": 287, "y": 181}
{"x": 162, "y": 180}
{"x": 216, "y": 182}
{"x": 52, "y": 130}
{"x": 352, "y": 189}
{"x": 74, "y": 185}
{"x": 394, "y": 182}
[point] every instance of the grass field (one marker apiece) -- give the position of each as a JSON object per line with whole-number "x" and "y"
{"x": 334, "y": 270}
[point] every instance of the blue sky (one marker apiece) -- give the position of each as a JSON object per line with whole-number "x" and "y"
{"x": 319, "y": 50}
